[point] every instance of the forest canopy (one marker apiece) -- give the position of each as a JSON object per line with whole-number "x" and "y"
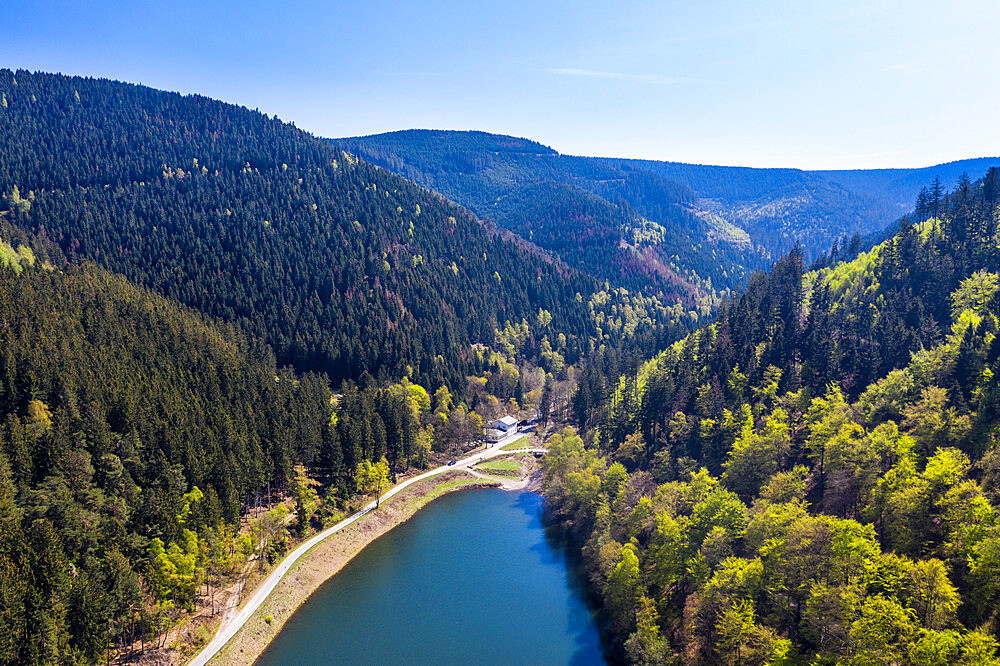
{"x": 814, "y": 476}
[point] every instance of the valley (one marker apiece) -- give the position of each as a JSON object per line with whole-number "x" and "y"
{"x": 238, "y": 360}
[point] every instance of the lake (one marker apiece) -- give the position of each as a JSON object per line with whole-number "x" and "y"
{"x": 470, "y": 579}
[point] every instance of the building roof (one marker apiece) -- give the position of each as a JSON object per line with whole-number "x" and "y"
{"x": 507, "y": 421}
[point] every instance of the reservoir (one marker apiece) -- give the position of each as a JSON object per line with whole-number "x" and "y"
{"x": 470, "y": 579}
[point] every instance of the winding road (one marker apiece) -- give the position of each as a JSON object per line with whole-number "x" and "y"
{"x": 232, "y": 623}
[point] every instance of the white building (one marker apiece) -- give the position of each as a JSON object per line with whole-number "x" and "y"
{"x": 497, "y": 430}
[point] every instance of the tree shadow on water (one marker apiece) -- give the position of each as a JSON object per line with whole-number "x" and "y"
{"x": 587, "y": 621}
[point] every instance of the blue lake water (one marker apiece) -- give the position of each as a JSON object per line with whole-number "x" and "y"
{"x": 470, "y": 579}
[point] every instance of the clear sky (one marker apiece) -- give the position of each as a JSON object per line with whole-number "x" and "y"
{"x": 799, "y": 83}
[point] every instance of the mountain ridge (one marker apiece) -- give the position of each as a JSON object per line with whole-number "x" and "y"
{"x": 776, "y": 208}
{"x": 641, "y": 251}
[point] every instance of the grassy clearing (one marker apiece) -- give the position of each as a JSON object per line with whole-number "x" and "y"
{"x": 519, "y": 443}
{"x": 505, "y": 465}
{"x": 442, "y": 488}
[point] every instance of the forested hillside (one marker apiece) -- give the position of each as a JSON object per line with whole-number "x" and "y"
{"x": 901, "y": 186}
{"x": 779, "y": 208}
{"x": 815, "y": 477}
{"x": 341, "y": 267}
{"x": 207, "y": 317}
{"x": 653, "y": 220}
{"x": 126, "y": 419}
{"x": 624, "y": 225}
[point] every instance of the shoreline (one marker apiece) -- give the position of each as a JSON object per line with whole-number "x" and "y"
{"x": 330, "y": 556}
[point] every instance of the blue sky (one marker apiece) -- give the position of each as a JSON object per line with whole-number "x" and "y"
{"x": 804, "y": 84}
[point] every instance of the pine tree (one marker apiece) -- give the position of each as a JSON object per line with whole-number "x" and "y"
{"x": 936, "y": 193}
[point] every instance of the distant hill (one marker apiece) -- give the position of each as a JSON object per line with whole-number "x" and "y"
{"x": 629, "y": 226}
{"x": 777, "y": 208}
{"x": 901, "y": 186}
{"x": 704, "y": 221}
